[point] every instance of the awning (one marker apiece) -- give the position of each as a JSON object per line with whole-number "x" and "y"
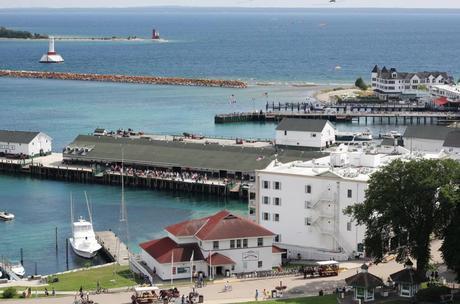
{"x": 441, "y": 101}
{"x": 217, "y": 259}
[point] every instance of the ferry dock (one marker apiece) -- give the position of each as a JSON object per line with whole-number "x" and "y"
{"x": 205, "y": 167}
{"x": 113, "y": 247}
{"x": 362, "y": 113}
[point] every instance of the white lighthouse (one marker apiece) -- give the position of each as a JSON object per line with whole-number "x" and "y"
{"x": 51, "y": 56}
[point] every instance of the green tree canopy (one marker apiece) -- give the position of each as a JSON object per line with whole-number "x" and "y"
{"x": 451, "y": 245}
{"x": 402, "y": 208}
{"x": 361, "y": 84}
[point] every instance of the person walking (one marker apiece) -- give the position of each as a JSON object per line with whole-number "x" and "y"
{"x": 257, "y": 295}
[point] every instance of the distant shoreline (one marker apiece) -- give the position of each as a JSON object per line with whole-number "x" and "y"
{"x": 237, "y": 84}
{"x": 85, "y": 39}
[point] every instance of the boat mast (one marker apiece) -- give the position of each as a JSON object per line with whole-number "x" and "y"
{"x": 89, "y": 210}
{"x": 122, "y": 206}
{"x": 71, "y": 211}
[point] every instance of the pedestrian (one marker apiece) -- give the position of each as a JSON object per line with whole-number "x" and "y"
{"x": 257, "y": 295}
{"x": 53, "y": 292}
{"x": 183, "y": 299}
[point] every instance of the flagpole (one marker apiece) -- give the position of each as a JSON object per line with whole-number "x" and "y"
{"x": 210, "y": 265}
{"x": 172, "y": 266}
{"x": 191, "y": 267}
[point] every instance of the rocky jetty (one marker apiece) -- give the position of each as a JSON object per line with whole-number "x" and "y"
{"x": 125, "y": 79}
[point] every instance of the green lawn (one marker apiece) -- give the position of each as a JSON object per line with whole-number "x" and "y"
{"x": 328, "y": 299}
{"x": 108, "y": 277}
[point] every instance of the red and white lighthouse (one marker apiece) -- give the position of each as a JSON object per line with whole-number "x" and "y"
{"x": 51, "y": 56}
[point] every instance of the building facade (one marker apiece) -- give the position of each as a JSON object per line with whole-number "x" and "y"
{"x": 450, "y": 94}
{"x": 219, "y": 245}
{"x": 390, "y": 84}
{"x": 305, "y": 133}
{"x": 426, "y": 138}
{"x": 24, "y": 143}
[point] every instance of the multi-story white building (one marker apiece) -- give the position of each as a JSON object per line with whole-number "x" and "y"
{"x": 303, "y": 203}
{"x": 24, "y": 143}
{"x": 305, "y": 133}
{"x": 426, "y": 138}
{"x": 221, "y": 244}
{"x": 390, "y": 84}
{"x": 451, "y": 93}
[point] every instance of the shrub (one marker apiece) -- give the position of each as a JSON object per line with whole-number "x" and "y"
{"x": 9, "y": 293}
{"x": 432, "y": 294}
{"x": 361, "y": 84}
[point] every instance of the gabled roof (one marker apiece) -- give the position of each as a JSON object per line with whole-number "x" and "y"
{"x": 303, "y": 125}
{"x": 163, "y": 249}
{"x": 364, "y": 279}
{"x": 407, "y": 275}
{"x": 22, "y": 137}
{"x": 452, "y": 139}
{"x": 427, "y": 132}
{"x": 376, "y": 69}
{"x": 217, "y": 259}
{"x": 220, "y": 226}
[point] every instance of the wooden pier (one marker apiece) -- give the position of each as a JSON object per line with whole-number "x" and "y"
{"x": 364, "y": 117}
{"x": 113, "y": 247}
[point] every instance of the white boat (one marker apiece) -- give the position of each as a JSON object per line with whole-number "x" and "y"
{"x": 353, "y": 136}
{"x": 17, "y": 269}
{"x": 6, "y": 216}
{"x": 392, "y": 134}
{"x": 83, "y": 240}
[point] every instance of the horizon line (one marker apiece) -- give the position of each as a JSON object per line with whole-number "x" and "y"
{"x": 232, "y": 7}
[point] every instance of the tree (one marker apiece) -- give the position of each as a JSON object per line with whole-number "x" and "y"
{"x": 402, "y": 209}
{"x": 451, "y": 245}
{"x": 361, "y": 84}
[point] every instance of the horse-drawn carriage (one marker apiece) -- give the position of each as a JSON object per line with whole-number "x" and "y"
{"x": 152, "y": 294}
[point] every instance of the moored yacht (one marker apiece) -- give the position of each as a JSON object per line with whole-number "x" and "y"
{"x": 83, "y": 240}
{"x": 353, "y": 136}
{"x": 6, "y": 216}
{"x": 17, "y": 269}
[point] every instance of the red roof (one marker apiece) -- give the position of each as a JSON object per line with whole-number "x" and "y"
{"x": 276, "y": 249}
{"x": 219, "y": 259}
{"x": 162, "y": 250}
{"x": 441, "y": 101}
{"x": 222, "y": 225}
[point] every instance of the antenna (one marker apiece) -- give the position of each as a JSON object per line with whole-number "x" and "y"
{"x": 89, "y": 210}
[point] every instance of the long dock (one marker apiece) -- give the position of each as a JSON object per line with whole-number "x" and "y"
{"x": 125, "y": 79}
{"x": 113, "y": 247}
{"x": 376, "y": 117}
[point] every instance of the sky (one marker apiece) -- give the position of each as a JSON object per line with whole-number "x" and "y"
{"x": 232, "y": 3}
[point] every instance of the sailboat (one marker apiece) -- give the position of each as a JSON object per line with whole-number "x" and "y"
{"x": 83, "y": 240}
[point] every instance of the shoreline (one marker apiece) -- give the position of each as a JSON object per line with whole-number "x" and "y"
{"x": 155, "y": 80}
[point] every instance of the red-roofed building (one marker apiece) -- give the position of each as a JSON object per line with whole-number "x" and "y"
{"x": 221, "y": 244}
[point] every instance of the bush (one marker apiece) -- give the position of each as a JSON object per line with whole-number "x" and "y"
{"x": 9, "y": 293}
{"x": 432, "y": 294}
{"x": 361, "y": 84}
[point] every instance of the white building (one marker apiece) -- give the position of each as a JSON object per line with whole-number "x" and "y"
{"x": 24, "y": 143}
{"x": 303, "y": 203}
{"x": 425, "y": 138}
{"x": 220, "y": 245}
{"x": 451, "y": 93}
{"x": 305, "y": 133}
{"x": 390, "y": 84}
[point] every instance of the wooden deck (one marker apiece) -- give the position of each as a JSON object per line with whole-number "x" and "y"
{"x": 113, "y": 247}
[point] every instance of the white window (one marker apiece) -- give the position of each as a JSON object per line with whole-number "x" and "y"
{"x": 266, "y": 200}
{"x": 266, "y": 184}
{"x": 307, "y": 205}
{"x": 277, "y": 201}
{"x": 349, "y": 193}
{"x": 277, "y": 185}
{"x": 276, "y": 217}
{"x": 266, "y": 216}
{"x": 308, "y": 221}
{"x": 259, "y": 264}
{"x": 307, "y": 189}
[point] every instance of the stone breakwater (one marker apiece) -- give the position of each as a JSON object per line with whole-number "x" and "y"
{"x": 125, "y": 79}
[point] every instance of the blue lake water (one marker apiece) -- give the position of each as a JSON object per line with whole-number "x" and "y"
{"x": 279, "y": 46}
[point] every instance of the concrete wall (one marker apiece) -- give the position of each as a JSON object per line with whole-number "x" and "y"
{"x": 329, "y": 196}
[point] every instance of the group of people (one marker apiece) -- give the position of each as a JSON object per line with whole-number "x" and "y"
{"x": 82, "y": 297}
{"x": 163, "y": 174}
